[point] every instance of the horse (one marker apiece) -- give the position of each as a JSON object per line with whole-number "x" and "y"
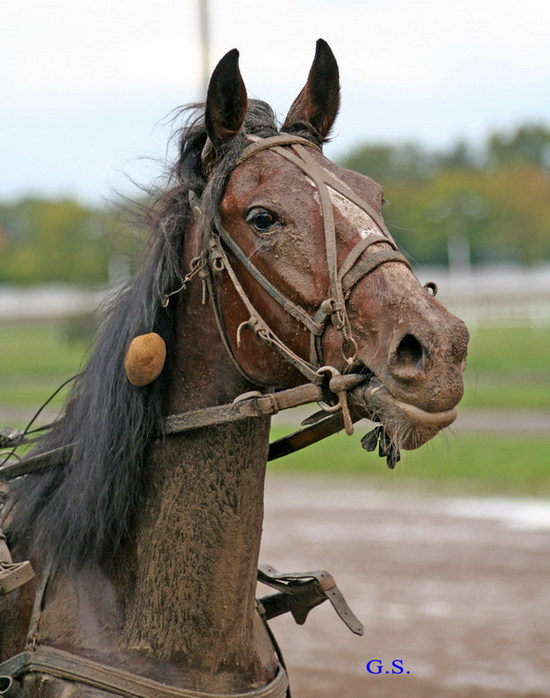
{"x": 270, "y": 273}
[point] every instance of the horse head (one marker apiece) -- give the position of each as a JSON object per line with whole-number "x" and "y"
{"x": 305, "y": 239}
{"x": 153, "y": 542}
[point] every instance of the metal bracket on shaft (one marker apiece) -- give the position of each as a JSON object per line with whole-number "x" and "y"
{"x": 299, "y": 592}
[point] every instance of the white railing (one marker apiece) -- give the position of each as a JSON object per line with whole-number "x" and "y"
{"x": 484, "y": 297}
{"x": 495, "y": 296}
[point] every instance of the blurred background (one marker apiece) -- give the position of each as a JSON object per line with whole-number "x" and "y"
{"x": 446, "y": 105}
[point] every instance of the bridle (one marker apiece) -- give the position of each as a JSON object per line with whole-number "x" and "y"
{"x": 360, "y": 261}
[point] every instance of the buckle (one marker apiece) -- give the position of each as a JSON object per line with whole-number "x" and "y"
{"x": 338, "y": 387}
{"x": 12, "y": 574}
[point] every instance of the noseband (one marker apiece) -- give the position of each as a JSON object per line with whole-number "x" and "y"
{"x": 360, "y": 261}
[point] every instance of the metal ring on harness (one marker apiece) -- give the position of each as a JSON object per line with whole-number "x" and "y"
{"x": 10, "y": 688}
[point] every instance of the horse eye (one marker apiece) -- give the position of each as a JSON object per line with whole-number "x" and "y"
{"x": 262, "y": 219}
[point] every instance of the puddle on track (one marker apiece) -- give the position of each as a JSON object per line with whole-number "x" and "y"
{"x": 458, "y": 589}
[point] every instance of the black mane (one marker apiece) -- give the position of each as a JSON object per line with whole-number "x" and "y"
{"x": 81, "y": 512}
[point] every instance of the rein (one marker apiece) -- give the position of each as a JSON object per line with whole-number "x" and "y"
{"x": 245, "y": 406}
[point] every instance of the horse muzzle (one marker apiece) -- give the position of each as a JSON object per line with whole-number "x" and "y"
{"x": 407, "y": 425}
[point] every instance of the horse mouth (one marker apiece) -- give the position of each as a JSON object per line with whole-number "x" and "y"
{"x": 406, "y": 425}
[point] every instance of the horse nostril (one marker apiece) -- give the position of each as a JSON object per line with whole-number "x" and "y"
{"x": 408, "y": 355}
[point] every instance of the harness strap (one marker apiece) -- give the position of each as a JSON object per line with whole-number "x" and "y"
{"x": 321, "y": 429}
{"x": 258, "y": 144}
{"x": 260, "y": 327}
{"x": 243, "y": 407}
{"x": 307, "y": 590}
{"x": 309, "y": 166}
{"x": 54, "y": 662}
{"x": 222, "y": 332}
{"x": 12, "y": 574}
{"x": 367, "y": 239}
{"x": 254, "y": 405}
{"x": 369, "y": 263}
{"x": 291, "y": 308}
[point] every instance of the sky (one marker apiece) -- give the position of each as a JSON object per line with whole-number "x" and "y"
{"x": 87, "y": 88}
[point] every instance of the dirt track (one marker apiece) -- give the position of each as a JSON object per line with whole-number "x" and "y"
{"x": 457, "y": 589}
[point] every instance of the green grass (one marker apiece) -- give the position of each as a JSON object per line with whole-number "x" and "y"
{"x": 509, "y": 349}
{"x": 479, "y": 463}
{"x": 35, "y": 358}
{"x": 529, "y": 391}
{"x": 508, "y": 368}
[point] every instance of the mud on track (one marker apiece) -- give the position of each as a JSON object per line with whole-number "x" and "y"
{"x": 458, "y": 589}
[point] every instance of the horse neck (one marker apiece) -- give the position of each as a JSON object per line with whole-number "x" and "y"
{"x": 198, "y": 532}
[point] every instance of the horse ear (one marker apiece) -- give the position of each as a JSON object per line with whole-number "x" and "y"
{"x": 319, "y": 101}
{"x": 226, "y": 100}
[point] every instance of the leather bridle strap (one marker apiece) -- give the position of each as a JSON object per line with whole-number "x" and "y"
{"x": 256, "y": 324}
{"x": 360, "y": 261}
{"x": 243, "y": 407}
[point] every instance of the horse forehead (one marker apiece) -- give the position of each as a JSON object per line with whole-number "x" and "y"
{"x": 360, "y": 183}
{"x": 268, "y": 169}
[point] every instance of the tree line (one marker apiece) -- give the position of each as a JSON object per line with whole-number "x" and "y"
{"x": 483, "y": 205}
{"x": 65, "y": 241}
{"x": 496, "y": 198}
